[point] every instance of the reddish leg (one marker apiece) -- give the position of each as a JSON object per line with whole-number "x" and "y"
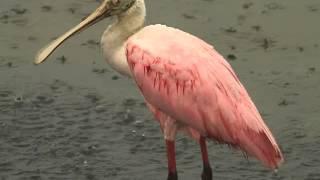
{"x": 171, "y": 154}
{"x": 207, "y": 171}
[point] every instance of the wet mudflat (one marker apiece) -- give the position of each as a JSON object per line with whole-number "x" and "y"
{"x": 75, "y": 118}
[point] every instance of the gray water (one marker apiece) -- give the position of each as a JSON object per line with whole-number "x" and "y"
{"x": 75, "y": 118}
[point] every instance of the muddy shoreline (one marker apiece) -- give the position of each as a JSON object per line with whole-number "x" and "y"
{"x": 75, "y": 118}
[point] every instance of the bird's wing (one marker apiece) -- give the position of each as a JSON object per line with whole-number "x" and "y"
{"x": 186, "y": 78}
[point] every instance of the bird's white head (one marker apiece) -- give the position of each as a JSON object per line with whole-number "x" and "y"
{"x": 106, "y": 9}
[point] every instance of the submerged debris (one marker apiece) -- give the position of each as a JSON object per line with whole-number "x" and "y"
{"x": 247, "y": 5}
{"x": 62, "y": 59}
{"x": 115, "y": 77}
{"x": 46, "y": 8}
{"x": 188, "y": 16}
{"x": 231, "y": 57}
{"x": 230, "y": 30}
{"x": 267, "y": 43}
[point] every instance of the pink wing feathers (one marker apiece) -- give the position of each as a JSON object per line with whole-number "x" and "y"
{"x": 187, "y": 79}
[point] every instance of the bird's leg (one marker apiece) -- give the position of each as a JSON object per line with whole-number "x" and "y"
{"x": 171, "y": 154}
{"x": 207, "y": 171}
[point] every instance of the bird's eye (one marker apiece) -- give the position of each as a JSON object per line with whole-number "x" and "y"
{"x": 115, "y": 2}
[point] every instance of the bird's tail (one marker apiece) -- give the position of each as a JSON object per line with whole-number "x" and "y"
{"x": 262, "y": 146}
{"x": 245, "y": 129}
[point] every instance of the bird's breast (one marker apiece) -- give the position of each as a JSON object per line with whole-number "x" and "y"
{"x": 116, "y": 58}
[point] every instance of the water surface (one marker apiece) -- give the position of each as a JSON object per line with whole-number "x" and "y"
{"x": 75, "y": 118}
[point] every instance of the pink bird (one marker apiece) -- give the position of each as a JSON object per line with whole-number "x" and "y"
{"x": 186, "y": 83}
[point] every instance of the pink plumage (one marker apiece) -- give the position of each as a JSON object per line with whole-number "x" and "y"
{"x": 186, "y": 82}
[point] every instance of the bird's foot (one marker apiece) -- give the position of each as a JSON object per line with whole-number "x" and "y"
{"x": 207, "y": 172}
{"x": 172, "y": 176}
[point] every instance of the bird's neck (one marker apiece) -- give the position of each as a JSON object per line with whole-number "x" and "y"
{"x": 114, "y": 38}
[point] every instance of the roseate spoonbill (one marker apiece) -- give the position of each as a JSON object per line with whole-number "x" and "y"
{"x": 186, "y": 83}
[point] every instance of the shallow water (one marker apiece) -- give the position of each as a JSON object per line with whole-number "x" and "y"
{"x": 75, "y": 118}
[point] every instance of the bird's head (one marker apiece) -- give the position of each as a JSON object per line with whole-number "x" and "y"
{"x": 117, "y": 7}
{"x": 106, "y": 9}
